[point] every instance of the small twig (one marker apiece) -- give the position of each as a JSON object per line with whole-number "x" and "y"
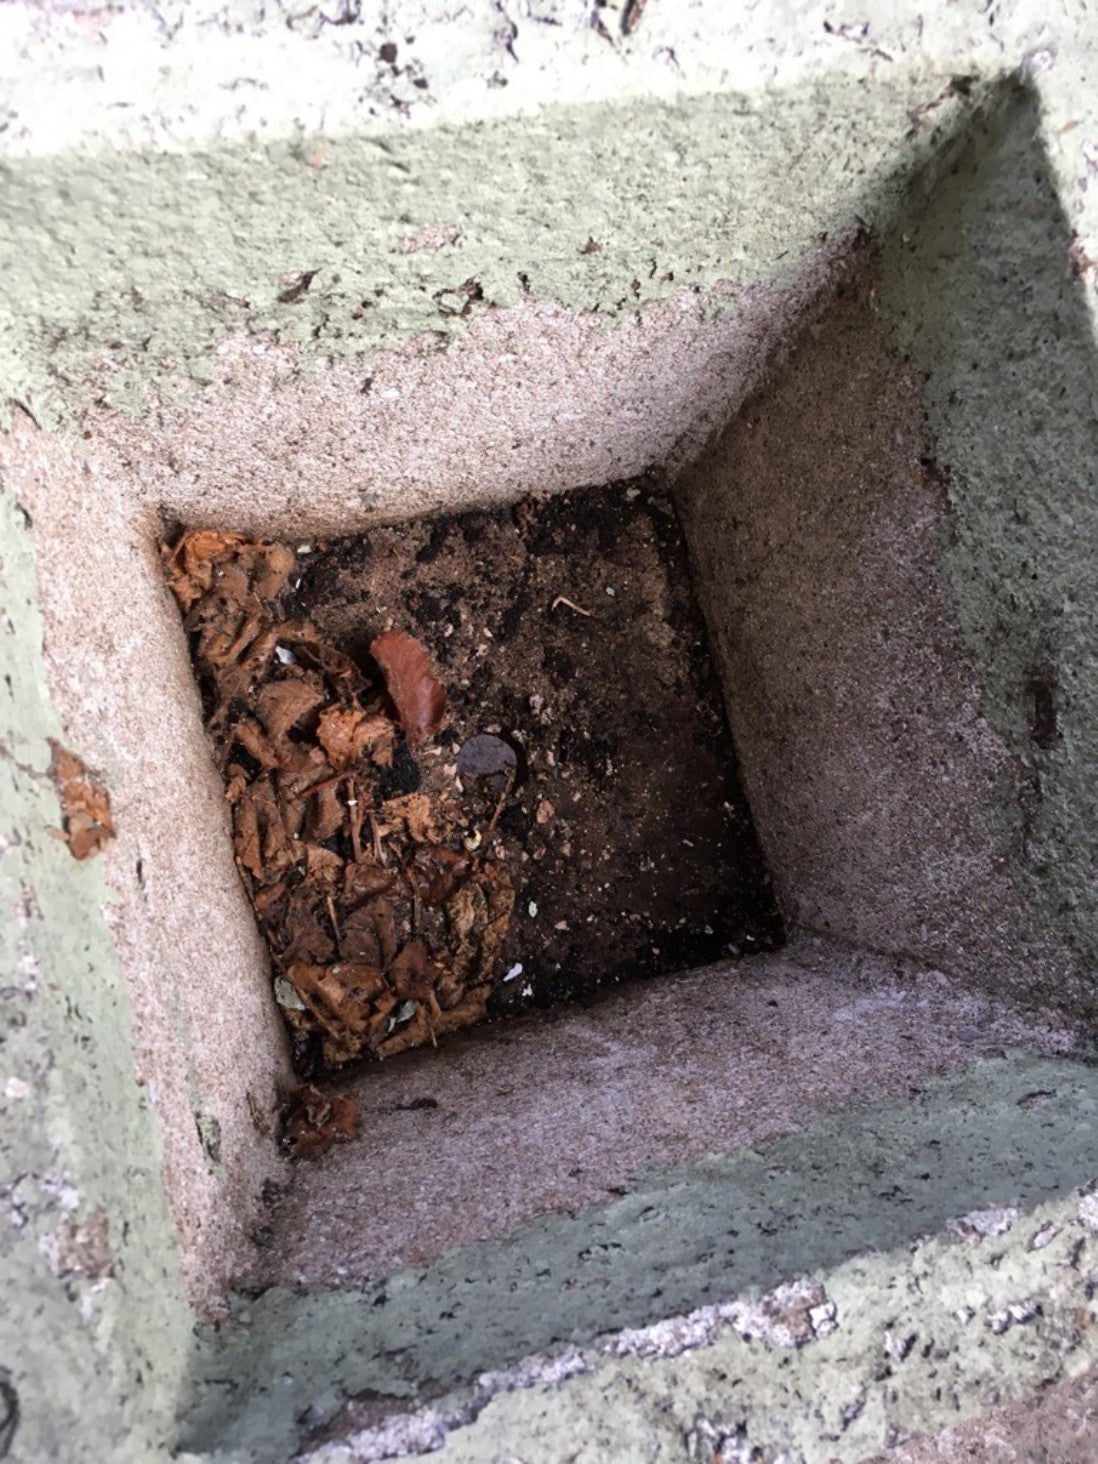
{"x": 564, "y": 600}
{"x": 416, "y": 902}
{"x": 379, "y": 852}
{"x": 335, "y": 925}
{"x": 354, "y": 813}
{"x": 433, "y": 1010}
{"x": 490, "y": 830}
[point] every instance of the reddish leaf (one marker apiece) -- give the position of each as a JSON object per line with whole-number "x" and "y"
{"x": 85, "y": 803}
{"x": 418, "y": 694}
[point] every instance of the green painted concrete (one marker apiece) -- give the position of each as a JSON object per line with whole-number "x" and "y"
{"x": 90, "y": 1359}
{"x": 917, "y": 1343}
{"x": 979, "y": 291}
{"x": 866, "y": 1181}
{"x": 122, "y": 275}
{"x": 124, "y": 272}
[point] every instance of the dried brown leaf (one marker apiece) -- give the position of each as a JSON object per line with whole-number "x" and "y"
{"x": 349, "y": 1001}
{"x": 439, "y": 873}
{"x": 418, "y": 695}
{"x": 394, "y": 943}
{"x": 365, "y": 880}
{"x": 413, "y": 973}
{"x": 85, "y": 803}
{"x": 280, "y": 705}
{"x": 246, "y": 839}
{"x": 328, "y": 812}
{"x": 253, "y": 740}
{"x": 272, "y": 566}
{"x": 190, "y": 565}
{"x": 259, "y": 835}
{"x": 414, "y": 812}
{"x": 347, "y": 734}
{"x": 313, "y": 652}
{"x": 315, "y": 1121}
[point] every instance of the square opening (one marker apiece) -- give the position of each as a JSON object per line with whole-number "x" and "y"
{"x": 899, "y": 770}
{"x": 475, "y": 763}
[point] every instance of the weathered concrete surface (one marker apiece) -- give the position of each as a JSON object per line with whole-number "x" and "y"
{"x": 1060, "y": 1422}
{"x": 560, "y": 1110}
{"x": 985, "y": 292}
{"x": 908, "y": 795}
{"x": 93, "y": 1321}
{"x": 943, "y": 1326}
{"x": 207, "y": 84}
{"x": 128, "y": 272}
{"x": 535, "y": 395}
{"x": 872, "y": 1179}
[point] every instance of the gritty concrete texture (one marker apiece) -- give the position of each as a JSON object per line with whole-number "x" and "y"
{"x": 129, "y": 272}
{"x": 93, "y": 1320}
{"x": 565, "y": 1109}
{"x": 535, "y": 395}
{"x": 870, "y": 1179}
{"x": 875, "y": 780}
{"x": 949, "y": 1327}
{"x": 208, "y": 1037}
{"x": 169, "y": 173}
{"x": 1010, "y": 390}
{"x": 1060, "y": 1423}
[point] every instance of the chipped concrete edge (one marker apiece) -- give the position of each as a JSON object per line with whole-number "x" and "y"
{"x": 879, "y": 1350}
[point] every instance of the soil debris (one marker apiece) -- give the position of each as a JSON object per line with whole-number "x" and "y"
{"x": 457, "y": 789}
{"x": 85, "y": 803}
{"x": 384, "y": 932}
{"x": 314, "y": 1121}
{"x": 584, "y": 748}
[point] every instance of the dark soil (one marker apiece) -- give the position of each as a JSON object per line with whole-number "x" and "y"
{"x": 625, "y": 832}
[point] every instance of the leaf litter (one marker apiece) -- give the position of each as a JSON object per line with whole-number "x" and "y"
{"x": 384, "y": 930}
{"x": 415, "y": 722}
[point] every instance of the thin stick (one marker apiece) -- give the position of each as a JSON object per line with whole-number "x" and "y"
{"x": 490, "y": 830}
{"x": 564, "y": 600}
{"x": 379, "y": 852}
{"x": 354, "y": 812}
{"x": 335, "y": 925}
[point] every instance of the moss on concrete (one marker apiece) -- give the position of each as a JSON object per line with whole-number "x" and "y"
{"x": 940, "y": 1329}
{"x": 869, "y": 1180}
{"x": 123, "y": 274}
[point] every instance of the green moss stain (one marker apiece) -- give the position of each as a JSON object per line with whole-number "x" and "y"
{"x": 868, "y": 1180}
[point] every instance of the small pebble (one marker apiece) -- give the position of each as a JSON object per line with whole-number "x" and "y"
{"x": 532, "y": 909}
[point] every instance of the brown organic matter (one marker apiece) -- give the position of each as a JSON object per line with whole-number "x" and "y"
{"x": 384, "y": 928}
{"x": 585, "y": 743}
{"x": 314, "y": 1121}
{"x": 85, "y": 803}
